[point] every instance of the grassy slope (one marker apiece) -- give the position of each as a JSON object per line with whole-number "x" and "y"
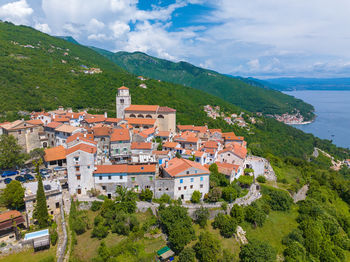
{"x": 251, "y": 97}
{"x": 30, "y": 256}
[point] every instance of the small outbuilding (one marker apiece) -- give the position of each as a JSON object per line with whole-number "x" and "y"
{"x": 165, "y": 254}
{"x": 39, "y": 239}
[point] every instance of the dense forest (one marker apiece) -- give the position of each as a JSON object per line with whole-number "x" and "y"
{"x": 248, "y": 95}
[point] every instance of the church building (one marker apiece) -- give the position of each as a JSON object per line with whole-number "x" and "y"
{"x": 144, "y": 116}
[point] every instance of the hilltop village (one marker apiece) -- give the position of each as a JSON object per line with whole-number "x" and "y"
{"x": 88, "y": 156}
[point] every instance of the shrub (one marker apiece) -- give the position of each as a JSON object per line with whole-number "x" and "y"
{"x": 237, "y": 212}
{"x": 96, "y": 205}
{"x": 100, "y": 231}
{"x": 196, "y": 197}
{"x": 279, "y": 200}
{"x": 214, "y": 194}
{"x": 261, "y": 179}
{"x": 245, "y": 181}
{"x": 229, "y": 194}
{"x": 187, "y": 255}
{"x": 201, "y": 216}
{"x": 226, "y": 224}
{"x": 256, "y": 250}
{"x": 146, "y": 195}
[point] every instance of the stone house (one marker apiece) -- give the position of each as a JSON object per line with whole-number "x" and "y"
{"x": 8, "y": 232}
{"x": 26, "y": 134}
{"x": 233, "y": 153}
{"x": 50, "y": 134}
{"x": 81, "y": 160}
{"x": 53, "y": 193}
{"x": 188, "y": 176}
{"x": 120, "y": 145}
{"x": 64, "y": 131}
{"x": 55, "y": 156}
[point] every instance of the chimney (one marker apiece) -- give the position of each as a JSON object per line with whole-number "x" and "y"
{"x": 84, "y": 134}
{"x": 166, "y": 164}
{"x": 105, "y": 114}
{"x": 78, "y": 139}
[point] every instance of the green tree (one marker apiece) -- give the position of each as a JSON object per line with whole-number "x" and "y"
{"x": 254, "y": 215}
{"x": 13, "y": 195}
{"x": 226, "y": 224}
{"x": 178, "y": 155}
{"x": 237, "y": 212}
{"x": 146, "y": 195}
{"x": 245, "y": 181}
{"x": 10, "y": 152}
{"x": 257, "y": 251}
{"x": 41, "y": 213}
{"x": 201, "y": 216}
{"x": 214, "y": 194}
{"x": 261, "y": 179}
{"x": 37, "y": 153}
{"x": 207, "y": 248}
{"x": 229, "y": 194}
{"x": 279, "y": 200}
{"x": 295, "y": 252}
{"x": 196, "y": 196}
{"x": 187, "y": 255}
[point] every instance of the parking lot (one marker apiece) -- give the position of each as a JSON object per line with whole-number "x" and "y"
{"x": 28, "y": 175}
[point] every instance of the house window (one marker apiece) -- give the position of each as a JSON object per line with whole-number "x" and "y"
{"x": 228, "y": 154}
{"x": 77, "y": 168}
{"x": 148, "y": 187}
{"x": 19, "y": 132}
{"x": 120, "y": 177}
{"x": 191, "y": 186}
{"x": 100, "y": 177}
{"x": 185, "y": 187}
{"x": 201, "y": 178}
{"x": 160, "y": 189}
{"x": 88, "y": 167}
{"x": 148, "y": 116}
{"x": 76, "y": 158}
{"x": 122, "y": 101}
{"x": 187, "y": 172}
{"x": 201, "y": 186}
{"x": 109, "y": 177}
{"x": 31, "y": 130}
{"x": 181, "y": 181}
{"x": 133, "y": 179}
{"x": 78, "y": 177}
{"x": 150, "y": 178}
{"x": 103, "y": 187}
{"x": 167, "y": 189}
{"x": 179, "y": 188}
{"x": 192, "y": 179}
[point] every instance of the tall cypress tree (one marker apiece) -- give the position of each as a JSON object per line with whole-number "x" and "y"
{"x": 40, "y": 213}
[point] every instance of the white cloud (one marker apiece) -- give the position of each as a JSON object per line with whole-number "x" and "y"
{"x": 98, "y": 37}
{"x": 43, "y": 28}
{"x": 16, "y": 12}
{"x": 95, "y": 25}
{"x": 119, "y": 28}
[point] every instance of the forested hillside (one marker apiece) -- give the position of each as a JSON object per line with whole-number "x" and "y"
{"x": 39, "y": 71}
{"x": 250, "y": 97}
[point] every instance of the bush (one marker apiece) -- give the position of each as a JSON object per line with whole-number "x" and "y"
{"x": 100, "y": 231}
{"x": 254, "y": 215}
{"x": 257, "y": 251}
{"x": 245, "y": 181}
{"x": 96, "y": 205}
{"x": 201, "y": 216}
{"x": 214, "y": 194}
{"x": 146, "y": 195}
{"x": 261, "y": 179}
{"x": 279, "y": 200}
{"x": 196, "y": 197}
{"x": 187, "y": 255}
{"x": 163, "y": 199}
{"x": 229, "y": 194}
{"x": 226, "y": 224}
{"x": 237, "y": 212}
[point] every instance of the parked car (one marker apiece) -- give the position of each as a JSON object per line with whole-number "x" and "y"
{"x": 29, "y": 177}
{"x": 20, "y": 179}
{"x": 9, "y": 173}
{"x": 59, "y": 168}
{"x": 7, "y": 180}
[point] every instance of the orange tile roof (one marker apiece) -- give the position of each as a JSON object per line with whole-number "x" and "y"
{"x": 226, "y": 168}
{"x": 113, "y": 120}
{"x": 124, "y": 168}
{"x": 123, "y": 88}
{"x": 9, "y": 215}
{"x": 164, "y": 133}
{"x": 179, "y": 165}
{"x": 55, "y": 153}
{"x": 170, "y": 144}
{"x": 84, "y": 137}
{"x": 63, "y": 119}
{"x": 35, "y": 122}
{"x": 141, "y": 121}
{"x": 148, "y": 131}
{"x": 66, "y": 128}
{"x": 200, "y": 129}
{"x": 165, "y": 109}
{"x": 5, "y": 123}
{"x": 95, "y": 119}
{"x": 215, "y": 130}
{"x": 54, "y": 124}
{"x": 185, "y": 127}
{"x": 141, "y": 145}
{"x": 146, "y": 108}
{"x": 235, "y": 148}
{"x": 186, "y": 139}
{"x": 82, "y": 147}
{"x": 157, "y": 152}
{"x": 101, "y": 131}
{"x": 198, "y": 154}
{"x": 211, "y": 144}
{"x": 120, "y": 135}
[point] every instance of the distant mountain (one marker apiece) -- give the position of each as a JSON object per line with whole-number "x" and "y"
{"x": 289, "y": 84}
{"x": 252, "y": 97}
{"x": 69, "y": 39}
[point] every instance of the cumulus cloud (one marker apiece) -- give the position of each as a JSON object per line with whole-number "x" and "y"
{"x": 43, "y": 28}
{"x": 16, "y": 12}
{"x": 119, "y": 28}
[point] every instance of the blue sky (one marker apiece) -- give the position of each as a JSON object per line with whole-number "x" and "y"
{"x": 259, "y": 38}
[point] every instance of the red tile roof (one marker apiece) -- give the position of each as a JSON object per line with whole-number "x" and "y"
{"x": 55, "y": 153}
{"x": 146, "y": 108}
{"x": 141, "y": 145}
{"x": 164, "y": 133}
{"x": 110, "y": 169}
{"x": 165, "y": 109}
{"x": 211, "y": 144}
{"x": 84, "y": 137}
{"x": 141, "y": 121}
{"x": 102, "y": 131}
{"x": 157, "y": 152}
{"x": 82, "y": 147}
{"x": 237, "y": 149}
{"x": 120, "y": 135}
{"x": 123, "y": 88}
{"x": 35, "y": 122}
{"x": 9, "y": 215}
{"x": 113, "y": 120}
{"x": 226, "y": 168}
{"x": 54, "y": 124}
{"x": 179, "y": 165}
{"x": 170, "y": 144}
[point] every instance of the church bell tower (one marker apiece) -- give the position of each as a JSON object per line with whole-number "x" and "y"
{"x": 123, "y": 100}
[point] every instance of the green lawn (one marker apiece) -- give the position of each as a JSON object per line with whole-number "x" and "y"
{"x": 30, "y": 256}
{"x": 277, "y": 225}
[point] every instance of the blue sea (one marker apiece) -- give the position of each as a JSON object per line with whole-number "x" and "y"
{"x": 333, "y": 115}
